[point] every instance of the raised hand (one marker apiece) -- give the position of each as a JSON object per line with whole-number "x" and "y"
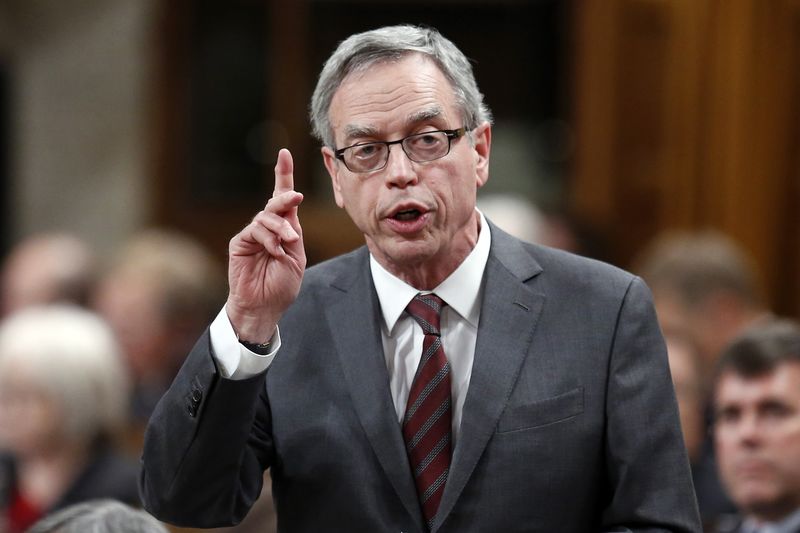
{"x": 266, "y": 261}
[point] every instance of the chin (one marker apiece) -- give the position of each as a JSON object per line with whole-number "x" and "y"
{"x": 409, "y": 252}
{"x": 757, "y": 498}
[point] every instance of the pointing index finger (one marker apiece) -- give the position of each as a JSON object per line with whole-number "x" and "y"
{"x": 284, "y": 173}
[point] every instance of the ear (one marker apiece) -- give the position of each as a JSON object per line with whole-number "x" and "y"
{"x": 333, "y": 167}
{"x": 482, "y": 145}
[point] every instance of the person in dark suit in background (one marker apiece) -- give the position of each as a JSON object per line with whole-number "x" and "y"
{"x": 445, "y": 377}
{"x": 757, "y": 428}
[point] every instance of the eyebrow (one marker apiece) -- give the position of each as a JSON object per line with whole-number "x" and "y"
{"x": 353, "y": 131}
{"x": 424, "y": 115}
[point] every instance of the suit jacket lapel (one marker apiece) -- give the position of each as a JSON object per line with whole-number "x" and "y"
{"x": 354, "y": 318}
{"x": 509, "y": 313}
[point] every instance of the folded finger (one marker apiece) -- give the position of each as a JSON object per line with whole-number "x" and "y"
{"x": 277, "y": 225}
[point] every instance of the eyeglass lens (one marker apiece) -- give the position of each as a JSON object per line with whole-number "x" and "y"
{"x": 420, "y": 148}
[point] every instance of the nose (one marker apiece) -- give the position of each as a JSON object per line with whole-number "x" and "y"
{"x": 400, "y": 171}
{"x": 749, "y": 430}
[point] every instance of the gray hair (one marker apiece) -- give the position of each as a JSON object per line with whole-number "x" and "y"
{"x": 74, "y": 357}
{"x": 362, "y": 50}
{"x": 98, "y": 516}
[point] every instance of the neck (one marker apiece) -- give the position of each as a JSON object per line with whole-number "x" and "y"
{"x": 424, "y": 277}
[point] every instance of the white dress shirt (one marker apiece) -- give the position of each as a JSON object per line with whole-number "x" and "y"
{"x": 789, "y": 524}
{"x": 402, "y": 336}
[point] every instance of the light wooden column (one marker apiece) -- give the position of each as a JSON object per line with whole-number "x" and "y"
{"x": 687, "y": 116}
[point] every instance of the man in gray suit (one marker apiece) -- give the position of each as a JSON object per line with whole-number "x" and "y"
{"x": 446, "y": 377}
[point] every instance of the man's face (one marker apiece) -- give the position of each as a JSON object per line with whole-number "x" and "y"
{"x": 415, "y": 216}
{"x": 758, "y": 440}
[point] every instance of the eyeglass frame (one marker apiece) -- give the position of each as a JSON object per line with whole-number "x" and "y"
{"x": 451, "y": 135}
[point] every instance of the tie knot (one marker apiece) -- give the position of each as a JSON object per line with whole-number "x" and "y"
{"x": 426, "y": 310}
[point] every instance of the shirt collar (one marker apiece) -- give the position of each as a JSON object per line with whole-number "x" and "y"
{"x": 787, "y": 525}
{"x": 461, "y": 289}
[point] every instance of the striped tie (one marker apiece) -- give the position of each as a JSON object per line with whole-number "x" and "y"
{"x": 426, "y": 425}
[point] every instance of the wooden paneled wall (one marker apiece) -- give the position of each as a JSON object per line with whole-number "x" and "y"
{"x": 327, "y": 230}
{"x": 687, "y": 116}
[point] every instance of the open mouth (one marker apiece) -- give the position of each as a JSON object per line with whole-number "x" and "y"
{"x": 408, "y": 219}
{"x": 407, "y": 214}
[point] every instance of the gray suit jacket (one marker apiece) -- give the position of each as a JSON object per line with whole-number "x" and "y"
{"x": 569, "y": 425}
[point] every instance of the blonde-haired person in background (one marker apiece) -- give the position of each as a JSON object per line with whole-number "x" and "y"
{"x": 63, "y": 399}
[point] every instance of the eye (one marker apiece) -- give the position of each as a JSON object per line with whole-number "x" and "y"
{"x": 727, "y": 415}
{"x": 365, "y": 151}
{"x": 775, "y": 410}
{"x": 427, "y": 142}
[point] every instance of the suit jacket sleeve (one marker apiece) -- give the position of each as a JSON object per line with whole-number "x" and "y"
{"x": 647, "y": 466}
{"x": 206, "y": 446}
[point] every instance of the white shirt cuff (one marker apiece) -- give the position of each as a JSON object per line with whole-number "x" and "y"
{"x": 233, "y": 359}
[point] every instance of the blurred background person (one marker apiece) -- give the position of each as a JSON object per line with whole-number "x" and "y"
{"x": 159, "y": 293}
{"x": 757, "y": 428}
{"x": 692, "y": 396}
{"x": 522, "y": 218}
{"x": 706, "y": 291}
{"x": 63, "y": 400}
{"x": 515, "y": 215}
{"x": 99, "y": 516}
{"x": 684, "y": 365}
{"x": 46, "y": 268}
{"x": 705, "y": 287}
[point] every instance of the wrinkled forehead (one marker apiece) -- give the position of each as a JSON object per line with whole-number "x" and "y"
{"x": 387, "y": 63}
{"x": 393, "y": 94}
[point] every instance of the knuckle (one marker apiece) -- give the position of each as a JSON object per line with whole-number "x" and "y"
{"x": 262, "y": 219}
{"x": 256, "y": 218}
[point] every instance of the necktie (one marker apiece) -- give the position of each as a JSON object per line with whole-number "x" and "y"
{"x": 426, "y": 424}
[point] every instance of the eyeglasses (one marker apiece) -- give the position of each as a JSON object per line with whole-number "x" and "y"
{"x": 420, "y": 148}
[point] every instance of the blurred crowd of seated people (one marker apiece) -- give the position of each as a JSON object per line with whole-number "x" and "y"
{"x": 707, "y": 295}
{"x": 87, "y": 347}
